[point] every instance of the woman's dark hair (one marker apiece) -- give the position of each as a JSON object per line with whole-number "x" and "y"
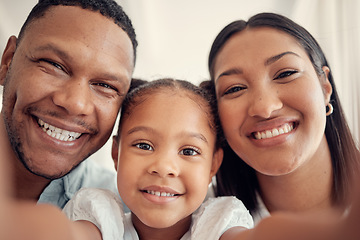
{"x": 237, "y": 178}
{"x": 108, "y": 8}
{"x": 141, "y": 90}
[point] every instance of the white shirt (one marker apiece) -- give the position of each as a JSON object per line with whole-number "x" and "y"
{"x": 105, "y": 209}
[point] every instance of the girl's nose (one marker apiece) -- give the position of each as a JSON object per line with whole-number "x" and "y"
{"x": 164, "y": 166}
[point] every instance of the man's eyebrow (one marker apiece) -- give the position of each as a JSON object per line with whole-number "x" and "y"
{"x": 63, "y": 55}
{"x": 277, "y": 57}
{"x": 53, "y": 48}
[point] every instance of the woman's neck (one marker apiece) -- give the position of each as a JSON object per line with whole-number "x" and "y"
{"x": 307, "y": 188}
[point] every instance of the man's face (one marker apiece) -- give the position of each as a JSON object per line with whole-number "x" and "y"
{"x": 64, "y": 87}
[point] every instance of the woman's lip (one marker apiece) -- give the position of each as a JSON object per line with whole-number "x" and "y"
{"x": 274, "y": 132}
{"x": 269, "y": 125}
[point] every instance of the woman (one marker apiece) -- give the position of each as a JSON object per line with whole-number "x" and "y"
{"x": 281, "y": 115}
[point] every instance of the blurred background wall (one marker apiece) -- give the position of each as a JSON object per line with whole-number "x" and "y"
{"x": 175, "y": 38}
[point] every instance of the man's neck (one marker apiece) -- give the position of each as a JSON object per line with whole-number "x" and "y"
{"x": 25, "y": 185}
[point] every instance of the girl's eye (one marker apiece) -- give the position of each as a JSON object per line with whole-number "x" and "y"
{"x": 144, "y": 146}
{"x": 286, "y": 74}
{"x": 189, "y": 152}
{"x": 234, "y": 90}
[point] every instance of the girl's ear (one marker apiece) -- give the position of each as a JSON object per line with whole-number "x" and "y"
{"x": 115, "y": 150}
{"x": 216, "y": 163}
{"x": 7, "y": 58}
{"x": 326, "y": 85}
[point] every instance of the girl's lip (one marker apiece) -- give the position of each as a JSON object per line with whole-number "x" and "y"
{"x": 160, "y": 189}
{"x": 160, "y": 195}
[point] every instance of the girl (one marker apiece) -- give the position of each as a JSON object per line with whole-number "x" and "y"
{"x": 166, "y": 153}
{"x": 282, "y": 116}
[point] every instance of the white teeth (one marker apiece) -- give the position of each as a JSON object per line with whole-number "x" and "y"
{"x": 160, "y": 194}
{"x": 274, "y": 132}
{"x": 58, "y": 133}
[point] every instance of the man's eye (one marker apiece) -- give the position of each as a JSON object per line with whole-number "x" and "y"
{"x": 56, "y": 65}
{"x": 144, "y": 146}
{"x": 286, "y": 74}
{"x": 234, "y": 90}
{"x": 189, "y": 152}
{"x": 105, "y": 85}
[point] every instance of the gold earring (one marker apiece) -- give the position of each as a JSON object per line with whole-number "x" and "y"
{"x": 331, "y": 109}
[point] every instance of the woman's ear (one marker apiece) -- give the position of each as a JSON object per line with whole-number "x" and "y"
{"x": 115, "y": 150}
{"x": 6, "y": 59}
{"x": 216, "y": 163}
{"x": 325, "y": 84}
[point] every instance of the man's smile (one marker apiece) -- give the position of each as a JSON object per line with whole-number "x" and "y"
{"x": 58, "y": 133}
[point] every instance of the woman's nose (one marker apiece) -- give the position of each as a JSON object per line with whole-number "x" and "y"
{"x": 264, "y": 102}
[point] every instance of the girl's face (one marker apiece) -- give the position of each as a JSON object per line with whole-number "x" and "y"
{"x": 166, "y": 159}
{"x": 272, "y": 104}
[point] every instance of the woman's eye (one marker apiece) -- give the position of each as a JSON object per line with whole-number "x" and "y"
{"x": 286, "y": 74}
{"x": 189, "y": 152}
{"x": 234, "y": 90}
{"x": 144, "y": 146}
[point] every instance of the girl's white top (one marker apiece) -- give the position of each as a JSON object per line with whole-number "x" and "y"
{"x": 105, "y": 209}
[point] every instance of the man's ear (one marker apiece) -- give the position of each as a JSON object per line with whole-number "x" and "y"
{"x": 6, "y": 59}
{"x": 115, "y": 150}
{"x": 216, "y": 163}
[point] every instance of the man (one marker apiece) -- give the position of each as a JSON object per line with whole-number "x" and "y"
{"x": 64, "y": 81}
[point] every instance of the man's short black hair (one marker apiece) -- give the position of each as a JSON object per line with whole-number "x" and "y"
{"x": 107, "y": 8}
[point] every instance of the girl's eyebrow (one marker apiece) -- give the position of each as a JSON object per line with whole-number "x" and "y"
{"x": 275, "y": 58}
{"x": 197, "y": 135}
{"x": 184, "y": 133}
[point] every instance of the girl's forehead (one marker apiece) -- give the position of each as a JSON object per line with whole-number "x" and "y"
{"x": 173, "y": 97}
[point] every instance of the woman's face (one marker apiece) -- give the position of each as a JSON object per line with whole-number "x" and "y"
{"x": 272, "y": 104}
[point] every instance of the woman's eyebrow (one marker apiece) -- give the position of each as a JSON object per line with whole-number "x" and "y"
{"x": 277, "y": 57}
{"x": 231, "y": 71}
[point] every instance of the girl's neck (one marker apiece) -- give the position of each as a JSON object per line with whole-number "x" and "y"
{"x": 307, "y": 188}
{"x": 174, "y": 232}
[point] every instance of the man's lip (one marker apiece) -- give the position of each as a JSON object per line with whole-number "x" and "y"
{"x": 67, "y": 126}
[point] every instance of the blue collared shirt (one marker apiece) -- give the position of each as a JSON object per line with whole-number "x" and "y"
{"x": 88, "y": 174}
